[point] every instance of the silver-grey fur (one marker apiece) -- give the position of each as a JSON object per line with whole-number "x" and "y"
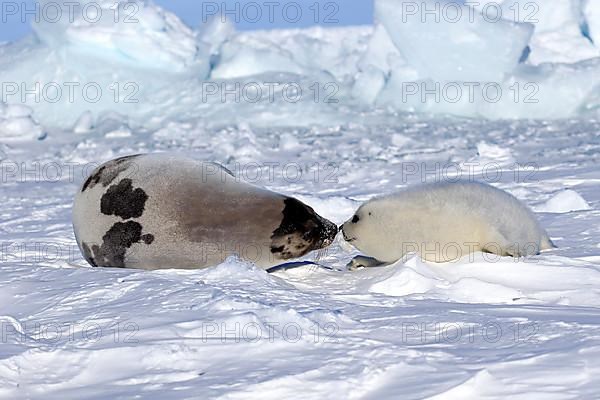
{"x": 166, "y": 211}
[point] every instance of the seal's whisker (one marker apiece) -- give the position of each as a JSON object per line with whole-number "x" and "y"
{"x": 320, "y": 254}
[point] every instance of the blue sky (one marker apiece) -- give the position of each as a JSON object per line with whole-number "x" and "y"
{"x": 248, "y": 14}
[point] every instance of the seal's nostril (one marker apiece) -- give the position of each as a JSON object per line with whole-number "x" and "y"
{"x": 355, "y": 219}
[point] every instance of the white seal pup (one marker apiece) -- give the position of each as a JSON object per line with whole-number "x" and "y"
{"x": 159, "y": 211}
{"x": 443, "y": 222}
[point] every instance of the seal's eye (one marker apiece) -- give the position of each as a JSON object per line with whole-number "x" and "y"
{"x": 355, "y": 219}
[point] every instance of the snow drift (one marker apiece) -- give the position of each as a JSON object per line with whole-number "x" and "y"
{"x": 17, "y": 124}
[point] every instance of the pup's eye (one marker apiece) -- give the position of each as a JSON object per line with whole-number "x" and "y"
{"x": 355, "y": 219}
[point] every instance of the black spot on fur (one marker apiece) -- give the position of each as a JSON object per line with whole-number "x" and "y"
{"x": 123, "y": 201}
{"x": 87, "y": 183}
{"x": 148, "y": 239}
{"x": 108, "y": 172}
{"x": 87, "y": 253}
{"x": 297, "y": 218}
{"x": 93, "y": 179}
{"x": 279, "y": 249}
{"x": 115, "y": 243}
{"x": 301, "y": 230}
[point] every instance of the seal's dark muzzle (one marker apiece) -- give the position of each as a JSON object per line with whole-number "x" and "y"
{"x": 328, "y": 232}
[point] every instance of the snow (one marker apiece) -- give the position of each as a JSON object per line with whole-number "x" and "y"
{"x": 476, "y": 279}
{"x": 564, "y": 202}
{"x": 384, "y": 332}
{"x": 481, "y": 327}
{"x": 85, "y": 123}
{"x": 17, "y": 124}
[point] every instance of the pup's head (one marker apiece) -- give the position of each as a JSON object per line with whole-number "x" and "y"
{"x": 364, "y": 229}
{"x": 301, "y": 231}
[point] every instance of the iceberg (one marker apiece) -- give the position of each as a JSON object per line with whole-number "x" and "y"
{"x": 447, "y": 41}
{"x": 239, "y": 60}
{"x": 558, "y": 35}
{"x": 591, "y": 14}
{"x": 306, "y": 52}
{"x": 441, "y": 57}
{"x": 548, "y": 91}
{"x": 381, "y": 52}
{"x": 131, "y": 32}
{"x": 369, "y": 84}
{"x": 480, "y": 66}
{"x": 87, "y": 61}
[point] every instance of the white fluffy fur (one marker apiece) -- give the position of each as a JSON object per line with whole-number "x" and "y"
{"x": 443, "y": 222}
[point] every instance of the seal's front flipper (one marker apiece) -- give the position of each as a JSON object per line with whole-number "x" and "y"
{"x": 359, "y": 262}
{"x": 293, "y": 265}
{"x": 500, "y": 245}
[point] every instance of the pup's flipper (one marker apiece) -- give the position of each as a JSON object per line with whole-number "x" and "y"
{"x": 359, "y": 262}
